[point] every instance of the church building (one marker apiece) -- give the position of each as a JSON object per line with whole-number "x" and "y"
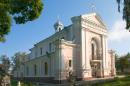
{"x": 80, "y": 48}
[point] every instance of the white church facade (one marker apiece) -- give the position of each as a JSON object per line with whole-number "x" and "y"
{"x": 80, "y": 48}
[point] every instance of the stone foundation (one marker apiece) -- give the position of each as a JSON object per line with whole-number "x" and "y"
{"x": 49, "y": 79}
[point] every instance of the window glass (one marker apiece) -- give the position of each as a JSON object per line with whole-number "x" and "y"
{"x": 35, "y": 69}
{"x": 46, "y": 68}
{"x": 40, "y": 51}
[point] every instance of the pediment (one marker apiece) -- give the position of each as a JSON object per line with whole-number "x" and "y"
{"x": 95, "y": 18}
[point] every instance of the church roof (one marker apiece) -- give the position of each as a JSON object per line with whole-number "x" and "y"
{"x": 53, "y": 35}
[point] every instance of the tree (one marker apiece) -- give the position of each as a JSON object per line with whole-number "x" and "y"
{"x": 6, "y": 63}
{"x": 21, "y": 11}
{"x": 126, "y": 11}
{"x": 4, "y": 67}
{"x": 18, "y": 59}
{"x": 123, "y": 62}
{"x": 117, "y": 62}
{"x": 2, "y": 73}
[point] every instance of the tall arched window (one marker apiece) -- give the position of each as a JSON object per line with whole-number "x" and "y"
{"x": 92, "y": 51}
{"x": 45, "y": 68}
{"x": 35, "y": 69}
{"x": 27, "y": 70}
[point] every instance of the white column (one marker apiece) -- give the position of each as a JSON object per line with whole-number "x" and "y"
{"x": 85, "y": 46}
{"x": 113, "y": 63}
{"x": 87, "y": 54}
{"x": 104, "y": 55}
{"x": 59, "y": 62}
{"x": 83, "y": 49}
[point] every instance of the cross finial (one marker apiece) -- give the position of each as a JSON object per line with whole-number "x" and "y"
{"x": 93, "y": 7}
{"x": 58, "y": 18}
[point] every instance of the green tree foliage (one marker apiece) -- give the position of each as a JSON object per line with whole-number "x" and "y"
{"x": 126, "y": 11}
{"x": 21, "y": 11}
{"x": 18, "y": 59}
{"x": 4, "y": 67}
{"x": 123, "y": 62}
{"x": 6, "y": 63}
{"x": 117, "y": 62}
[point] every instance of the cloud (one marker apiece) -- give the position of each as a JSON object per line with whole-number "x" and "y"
{"x": 118, "y": 32}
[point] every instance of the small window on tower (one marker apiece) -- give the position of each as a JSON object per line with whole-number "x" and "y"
{"x": 35, "y": 69}
{"x": 35, "y": 53}
{"x": 59, "y": 29}
{"x": 70, "y": 63}
{"x": 50, "y": 47}
{"x": 41, "y": 51}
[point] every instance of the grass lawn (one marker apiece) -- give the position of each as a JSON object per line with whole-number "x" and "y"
{"x": 116, "y": 82}
{"x": 14, "y": 83}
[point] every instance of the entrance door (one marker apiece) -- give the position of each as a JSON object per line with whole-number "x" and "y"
{"x": 95, "y": 67}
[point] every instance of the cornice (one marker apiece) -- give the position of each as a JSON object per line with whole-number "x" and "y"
{"x": 90, "y": 28}
{"x": 93, "y": 23}
{"x": 68, "y": 43}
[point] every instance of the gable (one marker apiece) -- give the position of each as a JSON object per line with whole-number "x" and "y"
{"x": 95, "y": 18}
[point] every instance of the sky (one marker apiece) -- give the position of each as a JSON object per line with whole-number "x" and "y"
{"x": 23, "y": 37}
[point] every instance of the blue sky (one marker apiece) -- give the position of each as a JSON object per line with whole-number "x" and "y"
{"x": 23, "y": 37}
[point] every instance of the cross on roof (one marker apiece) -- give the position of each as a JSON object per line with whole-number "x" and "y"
{"x": 93, "y": 7}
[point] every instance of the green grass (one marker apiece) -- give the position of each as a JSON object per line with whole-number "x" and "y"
{"x": 14, "y": 83}
{"x": 116, "y": 82}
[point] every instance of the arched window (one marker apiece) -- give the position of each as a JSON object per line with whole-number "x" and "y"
{"x": 92, "y": 51}
{"x": 35, "y": 69}
{"x": 27, "y": 70}
{"x": 45, "y": 68}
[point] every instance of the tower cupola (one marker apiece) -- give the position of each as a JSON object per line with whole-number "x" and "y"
{"x": 58, "y": 26}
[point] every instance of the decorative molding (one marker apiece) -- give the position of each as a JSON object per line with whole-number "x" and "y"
{"x": 68, "y": 43}
{"x": 93, "y": 27}
{"x": 93, "y": 23}
{"x": 95, "y": 30}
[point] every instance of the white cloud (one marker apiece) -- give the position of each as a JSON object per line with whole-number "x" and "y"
{"x": 118, "y": 32}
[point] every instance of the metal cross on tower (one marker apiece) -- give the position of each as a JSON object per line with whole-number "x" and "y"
{"x": 92, "y": 7}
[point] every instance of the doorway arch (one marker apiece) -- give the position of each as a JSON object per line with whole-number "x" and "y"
{"x": 95, "y": 57}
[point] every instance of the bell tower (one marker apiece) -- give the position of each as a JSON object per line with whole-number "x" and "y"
{"x": 58, "y": 26}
